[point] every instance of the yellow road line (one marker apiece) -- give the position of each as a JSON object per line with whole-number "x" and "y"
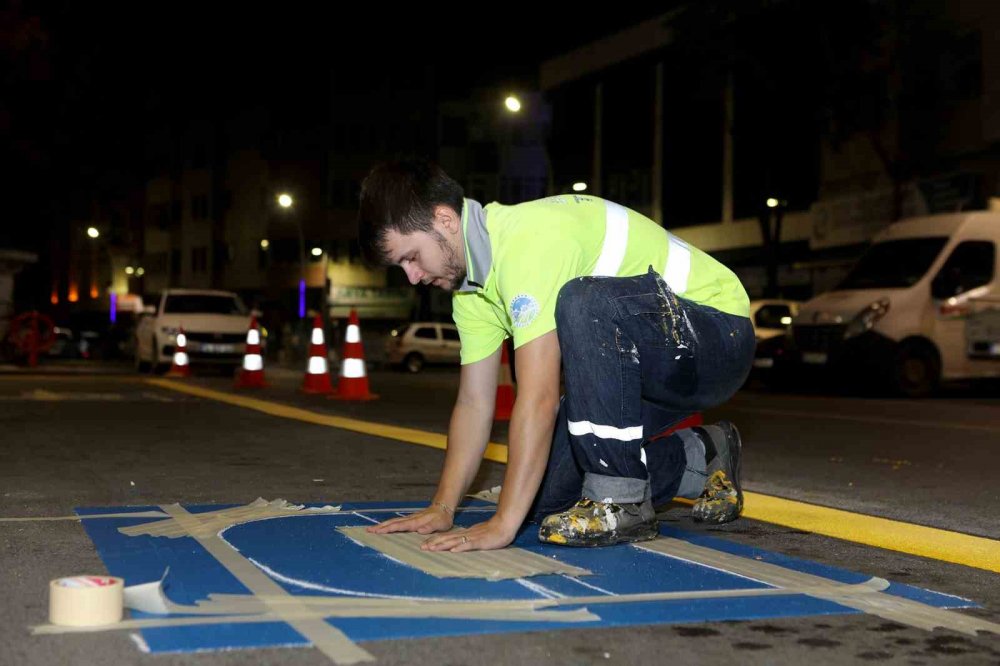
{"x": 494, "y": 452}
{"x": 81, "y": 378}
{"x": 930, "y": 542}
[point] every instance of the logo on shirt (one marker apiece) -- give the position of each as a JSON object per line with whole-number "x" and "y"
{"x": 523, "y": 310}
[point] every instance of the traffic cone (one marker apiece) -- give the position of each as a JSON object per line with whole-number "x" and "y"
{"x": 505, "y": 388}
{"x": 180, "y": 366}
{"x": 252, "y": 374}
{"x": 353, "y": 382}
{"x": 317, "y": 379}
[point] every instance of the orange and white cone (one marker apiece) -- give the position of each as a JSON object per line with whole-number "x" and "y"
{"x": 181, "y": 364}
{"x": 252, "y": 374}
{"x": 317, "y": 379}
{"x": 505, "y": 389}
{"x": 353, "y": 382}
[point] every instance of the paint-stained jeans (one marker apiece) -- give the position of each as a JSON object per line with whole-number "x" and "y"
{"x": 637, "y": 359}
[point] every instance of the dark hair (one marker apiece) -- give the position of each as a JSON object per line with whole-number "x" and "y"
{"x": 401, "y": 195}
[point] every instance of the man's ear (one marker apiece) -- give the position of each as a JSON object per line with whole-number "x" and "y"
{"x": 446, "y": 217}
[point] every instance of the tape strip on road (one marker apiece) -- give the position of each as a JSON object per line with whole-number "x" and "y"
{"x": 929, "y": 542}
{"x": 325, "y": 637}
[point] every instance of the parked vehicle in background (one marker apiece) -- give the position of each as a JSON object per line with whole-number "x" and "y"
{"x": 65, "y": 344}
{"x": 772, "y": 317}
{"x": 913, "y": 309}
{"x": 772, "y": 323}
{"x": 215, "y": 324}
{"x": 423, "y": 342}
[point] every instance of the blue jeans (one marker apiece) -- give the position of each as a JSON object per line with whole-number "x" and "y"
{"x": 637, "y": 359}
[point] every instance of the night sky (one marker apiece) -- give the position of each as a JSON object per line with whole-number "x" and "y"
{"x": 83, "y": 86}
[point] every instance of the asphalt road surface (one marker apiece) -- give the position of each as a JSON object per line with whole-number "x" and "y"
{"x": 112, "y": 439}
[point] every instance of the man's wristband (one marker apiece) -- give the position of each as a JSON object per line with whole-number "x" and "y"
{"x": 447, "y": 509}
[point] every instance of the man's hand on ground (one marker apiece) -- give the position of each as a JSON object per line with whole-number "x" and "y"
{"x": 432, "y": 519}
{"x": 490, "y": 535}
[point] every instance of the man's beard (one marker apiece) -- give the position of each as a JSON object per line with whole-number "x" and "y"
{"x": 454, "y": 270}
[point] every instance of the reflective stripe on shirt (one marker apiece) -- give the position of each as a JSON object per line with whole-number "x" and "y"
{"x": 615, "y": 240}
{"x": 678, "y": 267}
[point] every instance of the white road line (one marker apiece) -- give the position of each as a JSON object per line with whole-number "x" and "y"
{"x": 580, "y": 581}
{"x": 864, "y": 419}
{"x": 538, "y": 588}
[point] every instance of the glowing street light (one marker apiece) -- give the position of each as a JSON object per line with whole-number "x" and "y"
{"x": 93, "y": 232}
{"x": 316, "y": 252}
{"x": 579, "y": 187}
{"x": 512, "y": 103}
{"x": 140, "y": 271}
{"x": 129, "y": 270}
{"x": 772, "y": 202}
{"x": 264, "y": 244}
{"x": 285, "y": 201}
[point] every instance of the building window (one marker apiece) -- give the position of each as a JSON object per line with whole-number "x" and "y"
{"x": 199, "y": 206}
{"x": 199, "y": 259}
{"x": 160, "y": 214}
{"x": 454, "y": 132}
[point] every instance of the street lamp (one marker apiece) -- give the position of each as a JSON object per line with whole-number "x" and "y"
{"x": 264, "y": 244}
{"x": 772, "y": 202}
{"x": 316, "y": 252}
{"x": 285, "y": 201}
{"x": 579, "y": 187}
{"x": 513, "y": 105}
{"x": 93, "y": 232}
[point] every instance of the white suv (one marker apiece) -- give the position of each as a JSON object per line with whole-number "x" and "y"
{"x": 215, "y": 324}
{"x": 423, "y": 342}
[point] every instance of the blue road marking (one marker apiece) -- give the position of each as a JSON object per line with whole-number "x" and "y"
{"x": 307, "y": 556}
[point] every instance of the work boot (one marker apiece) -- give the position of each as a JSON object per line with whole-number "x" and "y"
{"x": 721, "y": 500}
{"x": 590, "y": 523}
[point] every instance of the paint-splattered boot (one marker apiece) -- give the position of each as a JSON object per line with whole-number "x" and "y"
{"x": 590, "y": 523}
{"x": 721, "y": 501}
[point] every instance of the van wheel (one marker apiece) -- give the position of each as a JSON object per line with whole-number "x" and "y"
{"x": 140, "y": 364}
{"x": 917, "y": 370}
{"x": 155, "y": 367}
{"x": 413, "y": 362}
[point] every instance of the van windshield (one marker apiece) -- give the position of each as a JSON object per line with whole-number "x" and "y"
{"x": 203, "y": 304}
{"x": 894, "y": 264}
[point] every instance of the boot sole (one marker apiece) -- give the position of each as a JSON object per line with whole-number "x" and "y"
{"x": 639, "y": 533}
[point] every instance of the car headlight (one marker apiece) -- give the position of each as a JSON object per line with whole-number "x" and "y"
{"x": 867, "y": 318}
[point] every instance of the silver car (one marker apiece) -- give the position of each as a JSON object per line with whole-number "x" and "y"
{"x": 423, "y": 342}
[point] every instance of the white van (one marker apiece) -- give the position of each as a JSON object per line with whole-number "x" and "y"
{"x": 921, "y": 305}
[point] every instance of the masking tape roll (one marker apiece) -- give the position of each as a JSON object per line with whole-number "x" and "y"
{"x": 86, "y": 601}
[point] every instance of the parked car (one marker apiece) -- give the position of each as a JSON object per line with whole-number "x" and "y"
{"x": 65, "y": 344}
{"x": 914, "y": 310}
{"x": 772, "y": 322}
{"x": 215, "y": 324}
{"x": 423, "y": 342}
{"x": 772, "y": 317}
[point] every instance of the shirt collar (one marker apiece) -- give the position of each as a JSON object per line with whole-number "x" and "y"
{"x": 478, "y": 254}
